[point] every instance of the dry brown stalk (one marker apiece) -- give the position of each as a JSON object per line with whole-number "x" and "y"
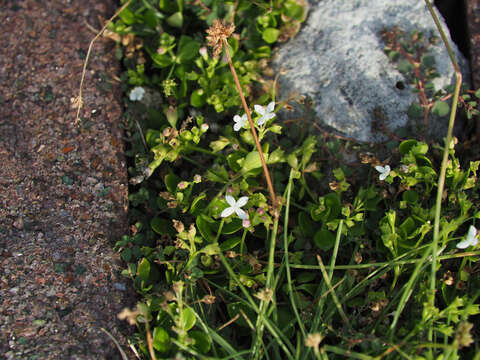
{"x": 219, "y": 33}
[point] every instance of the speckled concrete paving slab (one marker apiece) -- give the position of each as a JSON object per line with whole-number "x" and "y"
{"x": 63, "y": 188}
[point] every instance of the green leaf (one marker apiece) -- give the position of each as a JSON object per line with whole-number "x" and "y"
{"x": 415, "y": 111}
{"x": 198, "y": 98}
{"x": 144, "y": 269}
{"x": 293, "y": 10}
{"x": 404, "y": 66}
{"x": 270, "y": 35}
{"x": 211, "y": 249}
{"x": 230, "y": 243}
{"x": 126, "y": 254}
{"x": 219, "y": 144}
{"x": 410, "y": 197}
{"x": 161, "y": 339}
{"x": 168, "y": 6}
{"x": 127, "y": 16}
{"x": 187, "y": 49}
{"x": 218, "y": 174}
{"x": 176, "y": 20}
{"x": 428, "y": 61}
{"x": 305, "y": 224}
{"x": 198, "y": 204}
{"x": 201, "y": 342}
{"x": 204, "y": 227}
{"x": 324, "y": 239}
{"x": 172, "y": 115}
{"x": 477, "y": 94}
{"x": 406, "y": 146}
{"x": 162, "y": 226}
{"x": 171, "y": 182}
{"x": 232, "y": 160}
{"x": 440, "y": 108}
{"x": 252, "y": 161}
{"x": 187, "y": 319}
{"x": 161, "y": 60}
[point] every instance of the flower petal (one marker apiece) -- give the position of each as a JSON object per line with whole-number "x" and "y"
{"x": 380, "y": 169}
{"x": 463, "y": 244}
{"x": 259, "y": 109}
{"x": 383, "y": 176}
{"x": 241, "y": 214}
{"x": 230, "y": 200}
{"x": 472, "y": 233}
{"x": 242, "y": 201}
{"x": 227, "y": 212}
{"x": 271, "y": 107}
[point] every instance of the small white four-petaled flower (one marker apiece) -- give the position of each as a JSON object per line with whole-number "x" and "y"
{"x": 383, "y": 170}
{"x": 265, "y": 112}
{"x": 137, "y": 93}
{"x": 471, "y": 239}
{"x": 235, "y": 207}
{"x": 240, "y": 121}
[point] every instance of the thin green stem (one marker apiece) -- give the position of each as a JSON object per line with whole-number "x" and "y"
{"x": 203, "y": 151}
{"x": 287, "y": 264}
{"x": 443, "y": 168}
{"x": 268, "y": 289}
{"x": 333, "y": 294}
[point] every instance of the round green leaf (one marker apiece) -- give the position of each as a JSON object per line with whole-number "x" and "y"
{"x": 205, "y": 229}
{"x": 201, "y": 341}
{"x": 187, "y": 319}
{"x": 324, "y": 239}
{"x": 162, "y": 226}
{"x": 410, "y": 196}
{"x": 415, "y": 111}
{"x": 441, "y": 108}
{"x": 406, "y": 146}
{"x": 270, "y": 35}
{"x": 161, "y": 339}
{"x": 252, "y": 161}
{"x": 161, "y": 60}
{"x": 176, "y": 20}
{"x": 198, "y": 98}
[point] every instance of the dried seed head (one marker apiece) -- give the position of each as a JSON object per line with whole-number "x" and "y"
{"x": 217, "y": 34}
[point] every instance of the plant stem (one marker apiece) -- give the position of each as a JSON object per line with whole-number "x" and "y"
{"x": 443, "y": 168}
{"x": 84, "y": 71}
{"x": 252, "y": 129}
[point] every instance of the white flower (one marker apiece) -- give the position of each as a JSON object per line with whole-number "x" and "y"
{"x": 235, "y": 207}
{"x": 471, "y": 239}
{"x": 383, "y": 170}
{"x": 265, "y": 112}
{"x": 137, "y": 93}
{"x": 239, "y": 121}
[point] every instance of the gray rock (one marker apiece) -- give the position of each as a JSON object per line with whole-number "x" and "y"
{"x": 337, "y": 60}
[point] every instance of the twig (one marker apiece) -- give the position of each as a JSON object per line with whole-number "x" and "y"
{"x": 252, "y": 128}
{"x": 78, "y": 101}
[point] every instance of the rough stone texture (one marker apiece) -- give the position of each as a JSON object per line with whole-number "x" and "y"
{"x": 338, "y": 61}
{"x": 63, "y": 188}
